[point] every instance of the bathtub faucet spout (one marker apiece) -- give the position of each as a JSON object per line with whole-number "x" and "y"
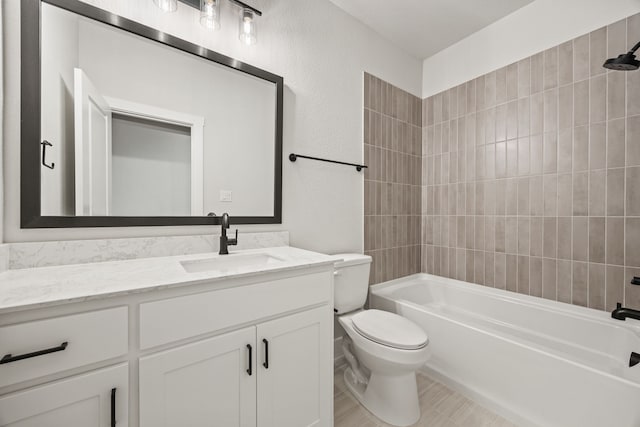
{"x": 621, "y": 313}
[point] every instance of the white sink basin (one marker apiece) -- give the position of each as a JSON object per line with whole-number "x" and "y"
{"x": 225, "y": 263}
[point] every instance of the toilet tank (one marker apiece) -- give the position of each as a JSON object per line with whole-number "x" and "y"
{"x": 351, "y": 283}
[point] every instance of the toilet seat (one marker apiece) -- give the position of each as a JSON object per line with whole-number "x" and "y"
{"x": 389, "y": 329}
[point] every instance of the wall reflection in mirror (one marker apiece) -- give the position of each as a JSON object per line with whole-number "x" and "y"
{"x": 138, "y": 128}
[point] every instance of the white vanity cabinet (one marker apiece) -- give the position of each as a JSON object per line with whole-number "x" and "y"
{"x": 96, "y": 399}
{"x": 252, "y": 350}
{"x": 35, "y": 349}
{"x": 31, "y": 350}
{"x": 210, "y": 382}
{"x": 270, "y": 375}
{"x": 295, "y": 387}
{"x": 99, "y": 398}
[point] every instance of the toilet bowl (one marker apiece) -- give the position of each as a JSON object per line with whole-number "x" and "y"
{"x": 383, "y": 349}
{"x": 387, "y": 384}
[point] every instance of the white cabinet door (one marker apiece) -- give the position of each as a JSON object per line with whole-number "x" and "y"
{"x": 295, "y": 373}
{"x": 85, "y": 400}
{"x": 207, "y": 383}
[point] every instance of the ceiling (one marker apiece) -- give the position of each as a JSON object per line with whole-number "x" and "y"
{"x": 424, "y": 27}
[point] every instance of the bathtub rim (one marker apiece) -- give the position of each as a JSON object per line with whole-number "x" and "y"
{"x": 383, "y": 289}
{"x": 591, "y": 314}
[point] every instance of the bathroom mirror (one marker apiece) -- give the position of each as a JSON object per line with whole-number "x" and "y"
{"x": 123, "y": 125}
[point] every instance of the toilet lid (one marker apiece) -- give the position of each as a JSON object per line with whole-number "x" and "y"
{"x": 389, "y": 329}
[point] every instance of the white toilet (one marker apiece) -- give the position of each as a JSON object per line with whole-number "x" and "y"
{"x": 383, "y": 349}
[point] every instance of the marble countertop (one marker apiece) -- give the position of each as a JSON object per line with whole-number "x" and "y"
{"x": 39, "y": 287}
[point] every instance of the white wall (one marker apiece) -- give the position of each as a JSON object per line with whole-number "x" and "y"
{"x": 321, "y": 52}
{"x": 151, "y": 167}
{"x": 538, "y": 26}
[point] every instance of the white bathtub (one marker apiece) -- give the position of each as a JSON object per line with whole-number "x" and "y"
{"x": 537, "y": 362}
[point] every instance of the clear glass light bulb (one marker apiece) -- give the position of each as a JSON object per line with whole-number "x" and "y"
{"x": 210, "y": 14}
{"x": 167, "y": 5}
{"x": 248, "y": 33}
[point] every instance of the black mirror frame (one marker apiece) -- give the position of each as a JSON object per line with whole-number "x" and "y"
{"x": 30, "y": 111}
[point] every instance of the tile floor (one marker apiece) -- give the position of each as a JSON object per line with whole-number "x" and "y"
{"x": 439, "y": 406}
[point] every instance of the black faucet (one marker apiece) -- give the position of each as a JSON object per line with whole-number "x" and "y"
{"x": 622, "y": 313}
{"x": 225, "y": 242}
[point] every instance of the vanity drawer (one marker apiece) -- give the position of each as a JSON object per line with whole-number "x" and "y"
{"x": 35, "y": 349}
{"x": 170, "y": 320}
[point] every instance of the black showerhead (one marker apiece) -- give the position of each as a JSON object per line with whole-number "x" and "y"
{"x": 624, "y": 62}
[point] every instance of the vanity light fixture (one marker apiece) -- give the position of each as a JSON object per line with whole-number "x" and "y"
{"x": 210, "y": 16}
{"x": 247, "y": 32}
{"x": 167, "y": 5}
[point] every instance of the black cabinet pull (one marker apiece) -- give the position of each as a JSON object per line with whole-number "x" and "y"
{"x": 266, "y": 353}
{"x": 250, "y": 359}
{"x": 8, "y": 358}
{"x": 113, "y": 407}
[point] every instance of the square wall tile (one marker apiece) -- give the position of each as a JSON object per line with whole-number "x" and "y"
{"x": 597, "y": 286}
{"x": 615, "y": 241}
{"x": 614, "y": 287}
{"x": 579, "y": 283}
{"x": 565, "y": 281}
{"x": 581, "y": 58}
{"x": 565, "y": 63}
{"x": 632, "y": 242}
{"x": 596, "y": 240}
{"x": 549, "y": 272}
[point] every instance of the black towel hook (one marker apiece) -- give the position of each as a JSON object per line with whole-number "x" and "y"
{"x": 46, "y": 144}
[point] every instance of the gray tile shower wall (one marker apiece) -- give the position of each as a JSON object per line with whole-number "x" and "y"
{"x": 531, "y": 175}
{"x": 392, "y": 183}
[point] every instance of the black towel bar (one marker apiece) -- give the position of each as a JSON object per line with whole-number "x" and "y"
{"x": 293, "y": 157}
